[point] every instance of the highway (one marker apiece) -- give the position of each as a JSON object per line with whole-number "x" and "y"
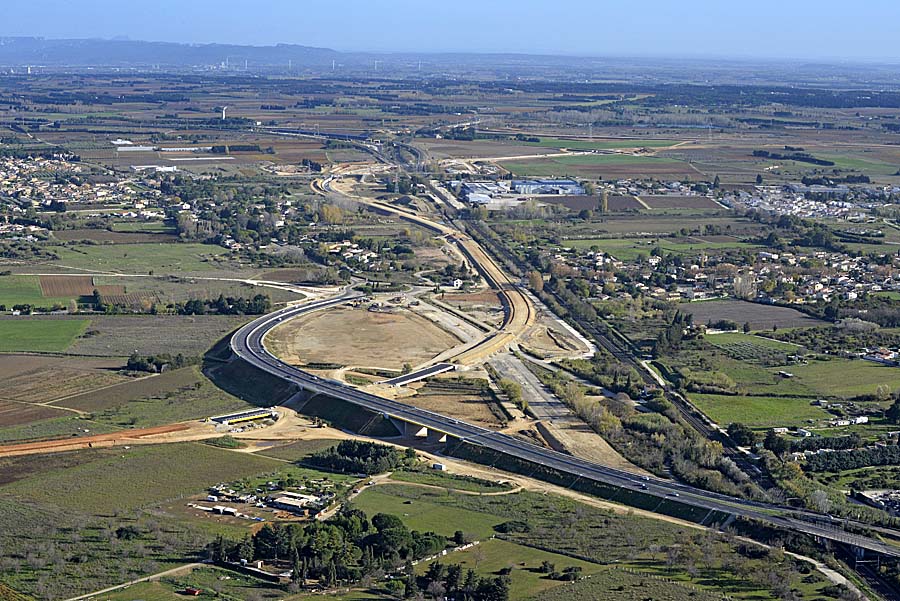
{"x": 519, "y": 311}
{"x": 248, "y": 343}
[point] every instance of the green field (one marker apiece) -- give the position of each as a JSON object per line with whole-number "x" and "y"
{"x": 491, "y": 556}
{"x": 846, "y": 377}
{"x": 583, "y": 164}
{"x": 33, "y": 334}
{"x": 562, "y": 528}
{"x": 141, "y": 258}
{"x": 138, "y": 477}
{"x": 26, "y": 290}
{"x": 423, "y": 515}
{"x": 450, "y": 481}
{"x": 144, "y": 227}
{"x": 192, "y": 396}
{"x": 728, "y": 339}
{"x": 606, "y": 144}
{"x": 628, "y": 586}
{"x": 852, "y": 163}
{"x": 55, "y": 427}
{"x": 757, "y": 412}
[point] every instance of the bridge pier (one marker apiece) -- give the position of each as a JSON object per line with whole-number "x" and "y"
{"x": 422, "y": 433}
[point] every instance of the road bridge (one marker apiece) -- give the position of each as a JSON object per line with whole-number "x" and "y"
{"x": 248, "y": 343}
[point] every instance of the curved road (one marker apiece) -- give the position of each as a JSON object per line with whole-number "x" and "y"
{"x": 248, "y": 343}
{"x": 520, "y": 312}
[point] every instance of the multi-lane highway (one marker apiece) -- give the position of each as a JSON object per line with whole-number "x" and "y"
{"x": 519, "y": 311}
{"x": 248, "y": 343}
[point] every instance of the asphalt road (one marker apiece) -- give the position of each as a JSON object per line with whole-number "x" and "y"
{"x": 248, "y": 344}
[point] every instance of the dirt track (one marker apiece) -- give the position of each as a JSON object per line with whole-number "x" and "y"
{"x": 87, "y": 442}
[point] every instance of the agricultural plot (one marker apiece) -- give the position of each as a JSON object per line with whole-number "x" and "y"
{"x": 27, "y": 290}
{"x": 492, "y": 556}
{"x": 142, "y": 258}
{"x": 34, "y": 536}
{"x": 155, "y": 234}
{"x": 16, "y": 414}
{"x": 171, "y": 289}
{"x": 680, "y": 202}
{"x": 232, "y": 584}
{"x": 147, "y": 227}
{"x": 754, "y": 349}
{"x": 195, "y": 398}
{"x": 162, "y": 472}
{"x": 422, "y": 515}
{"x": 664, "y": 224}
{"x": 46, "y": 384}
{"x": 33, "y": 334}
{"x": 65, "y": 426}
{"x": 760, "y": 317}
{"x": 601, "y": 165}
{"x": 758, "y": 411}
{"x": 442, "y": 149}
{"x": 300, "y": 450}
{"x": 138, "y": 388}
{"x": 847, "y": 378}
{"x": 592, "y": 203}
{"x": 628, "y": 586}
{"x": 74, "y": 286}
{"x": 122, "y": 335}
{"x": 602, "y": 144}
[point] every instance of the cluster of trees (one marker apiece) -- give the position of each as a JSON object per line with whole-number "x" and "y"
{"x": 158, "y": 363}
{"x": 851, "y": 459}
{"x": 800, "y": 157}
{"x": 314, "y": 166}
{"x": 659, "y": 443}
{"x": 880, "y": 310}
{"x": 403, "y": 185}
{"x": 814, "y": 443}
{"x": 360, "y": 457}
{"x": 256, "y": 305}
{"x": 343, "y": 550}
{"x": 834, "y": 340}
{"x": 821, "y": 180}
{"x": 805, "y": 231}
{"x": 704, "y": 381}
{"x": 454, "y": 583}
{"x": 670, "y": 338}
{"x": 742, "y": 435}
{"x": 606, "y": 372}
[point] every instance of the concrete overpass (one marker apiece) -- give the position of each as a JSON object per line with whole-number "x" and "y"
{"x": 248, "y": 343}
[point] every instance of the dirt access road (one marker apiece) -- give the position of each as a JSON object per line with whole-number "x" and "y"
{"x": 520, "y": 312}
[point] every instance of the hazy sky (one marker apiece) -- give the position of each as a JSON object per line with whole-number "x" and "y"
{"x": 864, "y": 29}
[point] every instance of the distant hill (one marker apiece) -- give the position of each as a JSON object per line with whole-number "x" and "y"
{"x": 95, "y": 52}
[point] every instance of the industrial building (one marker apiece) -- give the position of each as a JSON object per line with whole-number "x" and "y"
{"x": 482, "y": 192}
{"x": 547, "y": 186}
